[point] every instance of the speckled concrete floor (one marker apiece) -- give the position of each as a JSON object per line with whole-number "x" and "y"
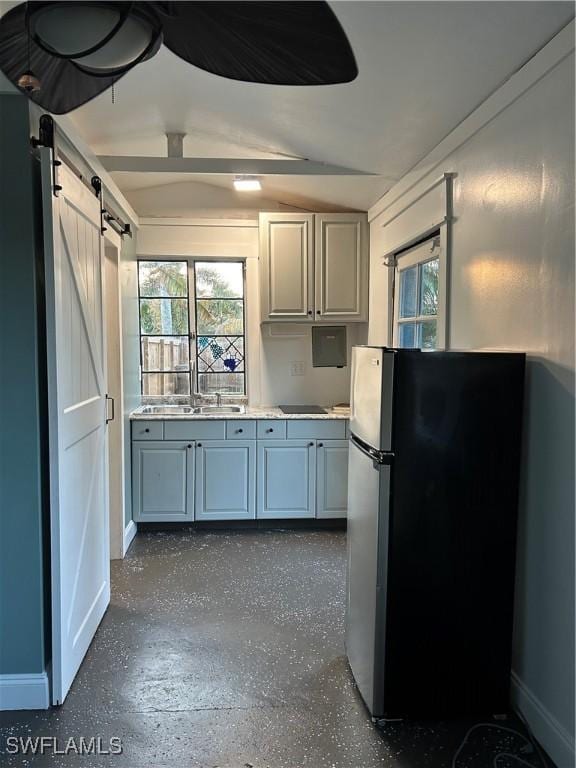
{"x": 225, "y": 650}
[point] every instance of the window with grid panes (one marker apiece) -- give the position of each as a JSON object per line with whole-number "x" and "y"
{"x": 192, "y": 327}
{"x": 219, "y": 319}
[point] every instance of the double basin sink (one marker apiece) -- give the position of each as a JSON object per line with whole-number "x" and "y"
{"x": 169, "y": 410}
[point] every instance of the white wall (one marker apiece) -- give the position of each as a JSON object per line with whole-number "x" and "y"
{"x": 512, "y": 287}
{"x": 196, "y": 199}
{"x": 324, "y": 386}
{"x": 269, "y": 357}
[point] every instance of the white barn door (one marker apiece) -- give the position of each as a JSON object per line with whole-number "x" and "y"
{"x": 77, "y": 421}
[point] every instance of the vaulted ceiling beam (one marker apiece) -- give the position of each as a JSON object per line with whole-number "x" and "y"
{"x": 223, "y": 165}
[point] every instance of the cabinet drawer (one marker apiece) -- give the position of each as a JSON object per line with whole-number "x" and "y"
{"x": 317, "y": 429}
{"x": 240, "y": 429}
{"x": 147, "y": 430}
{"x": 195, "y": 430}
{"x": 272, "y": 429}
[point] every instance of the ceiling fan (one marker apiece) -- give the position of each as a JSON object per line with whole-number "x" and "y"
{"x": 63, "y": 54}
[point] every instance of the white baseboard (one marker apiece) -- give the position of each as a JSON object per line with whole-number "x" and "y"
{"x": 129, "y": 533}
{"x": 24, "y": 691}
{"x": 550, "y": 733}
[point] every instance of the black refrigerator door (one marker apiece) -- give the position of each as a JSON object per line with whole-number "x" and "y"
{"x": 456, "y": 437}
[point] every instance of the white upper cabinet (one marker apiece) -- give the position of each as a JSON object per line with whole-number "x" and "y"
{"x": 341, "y": 280}
{"x": 314, "y": 267}
{"x": 286, "y": 262}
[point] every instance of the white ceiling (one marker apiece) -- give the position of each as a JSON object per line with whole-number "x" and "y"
{"x": 424, "y": 66}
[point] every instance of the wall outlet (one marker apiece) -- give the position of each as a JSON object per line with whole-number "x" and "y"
{"x": 297, "y": 368}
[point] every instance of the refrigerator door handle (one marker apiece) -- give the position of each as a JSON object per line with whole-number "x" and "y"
{"x": 380, "y": 458}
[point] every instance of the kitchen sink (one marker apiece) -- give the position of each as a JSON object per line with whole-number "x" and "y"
{"x": 168, "y": 410}
{"x": 183, "y": 410}
{"x": 219, "y": 409}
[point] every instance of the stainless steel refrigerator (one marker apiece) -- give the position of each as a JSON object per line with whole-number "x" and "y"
{"x": 432, "y": 507}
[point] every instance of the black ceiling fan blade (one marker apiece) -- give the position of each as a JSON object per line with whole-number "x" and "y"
{"x": 278, "y": 42}
{"x": 63, "y": 86}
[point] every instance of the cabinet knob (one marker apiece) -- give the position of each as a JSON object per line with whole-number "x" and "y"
{"x": 270, "y": 430}
{"x": 240, "y": 431}
{"x": 311, "y": 445}
{"x": 309, "y": 311}
{"x": 317, "y": 311}
{"x": 199, "y": 445}
{"x": 146, "y": 430}
{"x": 320, "y": 445}
{"x": 189, "y": 445}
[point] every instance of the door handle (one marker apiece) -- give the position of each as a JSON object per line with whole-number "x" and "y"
{"x": 110, "y": 418}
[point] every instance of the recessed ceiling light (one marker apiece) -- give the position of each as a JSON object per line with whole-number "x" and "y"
{"x": 247, "y": 184}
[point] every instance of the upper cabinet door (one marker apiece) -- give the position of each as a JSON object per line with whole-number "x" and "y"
{"x": 341, "y": 257}
{"x": 287, "y": 266}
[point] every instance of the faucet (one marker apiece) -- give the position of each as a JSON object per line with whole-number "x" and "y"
{"x": 218, "y": 399}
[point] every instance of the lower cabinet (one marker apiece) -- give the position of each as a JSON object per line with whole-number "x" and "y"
{"x": 162, "y": 481}
{"x": 225, "y": 480}
{"x": 331, "y": 478}
{"x": 286, "y": 478}
{"x": 239, "y": 479}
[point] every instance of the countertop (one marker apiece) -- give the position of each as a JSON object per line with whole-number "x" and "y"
{"x": 251, "y": 412}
